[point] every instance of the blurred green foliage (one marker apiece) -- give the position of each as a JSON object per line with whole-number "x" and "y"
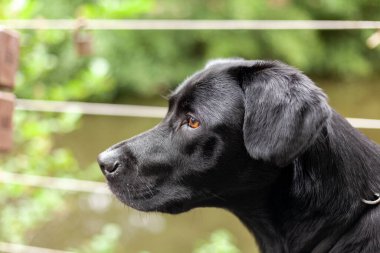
{"x": 144, "y": 63}
{"x": 23, "y": 208}
{"x": 104, "y": 242}
{"x": 221, "y": 241}
{"x": 147, "y": 62}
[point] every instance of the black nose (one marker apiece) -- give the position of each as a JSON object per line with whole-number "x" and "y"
{"x": 108, "y": 162}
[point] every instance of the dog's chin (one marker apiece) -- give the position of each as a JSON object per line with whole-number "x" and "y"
{"x": 152, "y": 202}
{"x": 170, "y": 207}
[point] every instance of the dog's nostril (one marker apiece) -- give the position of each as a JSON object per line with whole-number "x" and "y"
{"x": 114, "y": 167}
{"x": 108, "y": 163}
{"x": 110, "y": 167}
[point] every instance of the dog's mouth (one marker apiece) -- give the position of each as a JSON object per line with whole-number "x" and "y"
{"x": 127, "y": 192}
{"x": 152, "y": 197}
{"x": 155, "y": 199}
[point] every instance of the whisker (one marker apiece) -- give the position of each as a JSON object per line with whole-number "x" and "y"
{"x": 146, "y": 185}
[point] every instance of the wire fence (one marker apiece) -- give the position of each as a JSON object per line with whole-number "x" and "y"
{"x": 147, "y": 111}
{"x": 91, "y": 108}
{"x": 100, "y": 109}
{"x": 130, "y": 110}
{"x": 65, "y": 184}
{"x": 74, "y": 185}
{"x": 6, "y": 247}
{"x": 109, "y": 24}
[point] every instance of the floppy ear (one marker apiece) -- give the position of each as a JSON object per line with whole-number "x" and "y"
{"x": 284, "y": 111}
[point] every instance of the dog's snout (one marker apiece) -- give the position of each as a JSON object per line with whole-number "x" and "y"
{"x": 108, "y": 162}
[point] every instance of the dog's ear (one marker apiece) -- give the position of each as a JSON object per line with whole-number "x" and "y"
{"x": 284, "y": 111}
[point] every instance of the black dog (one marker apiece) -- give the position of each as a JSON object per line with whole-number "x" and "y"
{"x": 259, "y": 139}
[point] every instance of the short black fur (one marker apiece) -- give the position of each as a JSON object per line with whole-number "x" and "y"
{"x": 269, "y": 149}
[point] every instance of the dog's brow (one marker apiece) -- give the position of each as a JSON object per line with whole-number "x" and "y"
{"x": 172, "y": 99}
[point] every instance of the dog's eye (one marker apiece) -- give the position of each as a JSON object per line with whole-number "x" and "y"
{"x": 192, "y": 122}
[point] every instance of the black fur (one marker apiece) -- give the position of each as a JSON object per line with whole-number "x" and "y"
{"x": 269, "y": 149}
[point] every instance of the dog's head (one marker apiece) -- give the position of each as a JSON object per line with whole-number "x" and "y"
{"x": 229, "y": 128}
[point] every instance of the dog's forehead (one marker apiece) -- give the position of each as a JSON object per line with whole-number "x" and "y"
{"x": 205, "y": 78}
{"x": 214, "y": 72}
{"x": 211, "y": 91}
{"x": 204, "y": 82}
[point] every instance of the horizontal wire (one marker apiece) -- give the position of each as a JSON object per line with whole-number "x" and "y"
{"x": 6, "y": 247}
{"x": 66, "y": 184}
{"x": 130, "y": 110}
{"x": 91, "y": 108}
{"x": 364, "y": 123}
{"x": 122, "y": 24}
{"x": 76, "y": 185}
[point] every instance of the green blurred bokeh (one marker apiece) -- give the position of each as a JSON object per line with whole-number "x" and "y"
{"x": 139, "y": 67}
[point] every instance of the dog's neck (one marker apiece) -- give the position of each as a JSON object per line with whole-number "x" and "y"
{"x": 313, "y": 202}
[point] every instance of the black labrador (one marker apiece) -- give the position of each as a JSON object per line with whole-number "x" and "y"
{"x": 258, "y": 139}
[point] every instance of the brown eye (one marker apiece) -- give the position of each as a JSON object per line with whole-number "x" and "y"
{"x": 192, "y": 122}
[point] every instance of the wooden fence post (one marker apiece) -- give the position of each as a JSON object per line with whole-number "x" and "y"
{"x": 9, "y": 55}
